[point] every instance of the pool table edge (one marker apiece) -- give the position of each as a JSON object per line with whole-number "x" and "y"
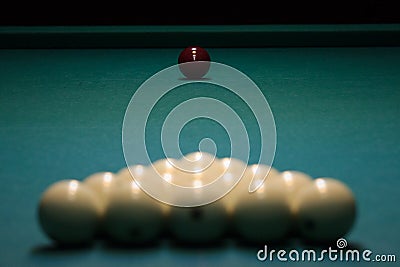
{"x": 164, "y": 36}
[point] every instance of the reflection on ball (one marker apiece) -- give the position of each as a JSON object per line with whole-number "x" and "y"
{"x": 194, "y": 62}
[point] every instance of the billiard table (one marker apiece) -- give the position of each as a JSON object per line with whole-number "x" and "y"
{"x": 333, "y": 90}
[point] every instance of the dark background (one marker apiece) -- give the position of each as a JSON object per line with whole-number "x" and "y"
{"x": 147, "y": 12}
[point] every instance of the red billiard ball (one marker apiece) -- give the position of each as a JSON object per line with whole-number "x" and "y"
{"x": 194, "y": 62}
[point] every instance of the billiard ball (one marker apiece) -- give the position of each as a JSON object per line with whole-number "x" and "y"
{"x": 198, "y": 169}
{"x": 198, "y": 225}
{"x": 124, "y": 174}
{"x": 163, "y": 167}
{"x": 69, "y": 212}
{"x": 251, "y": 177}
{"x": 194, "y": 62}
{"x": 262, "y": 216}
{"x": 233, "y": 173}
{"x": 196, "y": 162}
{"x": 256, "y": 175}
{"x": 132, "y": 217}
{"x": 291, "y": 181}
{"x": 166, "y": 169}
{"x": 325, "y": 210}
{"x": 101, "y": 183}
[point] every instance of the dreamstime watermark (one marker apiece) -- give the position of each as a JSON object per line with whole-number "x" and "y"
{"x": 151, "y": 92}
{"x": 339, "y": 253}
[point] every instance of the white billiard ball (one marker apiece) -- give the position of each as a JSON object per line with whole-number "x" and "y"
{"x": 164, "y": 165}
{"x": 198, "y": 168}
{"x": 69, "y": 212}
{"x": 262, "y": 216}
{"x": 194, "y": 225}
{"x": 198, "y": 165}
{"x": 133, "y": 217}
{"x": 125, "y": 175}
{"x": 291, "y": 181}
{"x": 252, "y": 176}
{"x": 198, "y": 159}
{"x": 256, "y": 175}
{"x": 198, "y": 225}
{"x": 233, "y": 175}
{"x": 324, "y": 210}
{"x": 101, "y": 183}
{"x": 162, "y": 169}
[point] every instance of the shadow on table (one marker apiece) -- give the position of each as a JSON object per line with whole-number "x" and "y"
{"x": 111, "y": 247}
{"x": 53, "y": 249}
{"x": 129, "y": 247}
{"x": 209, "y": 247}
{"x": 194, "y": 80}
{"x": 185, "y": 247}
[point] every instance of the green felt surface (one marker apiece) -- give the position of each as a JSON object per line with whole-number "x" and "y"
{"x": 336, "y": 112}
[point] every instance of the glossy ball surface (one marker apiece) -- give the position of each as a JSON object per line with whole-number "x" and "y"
{"x": 291, "y": 182}
{"x": 198, "y": 225}
{"x": 69, "y": 212}
{"x": 101, "y": 183}
{"x": 194, "y": 62}
{"x": 132, "y": 217}
{"x": 325, "y": 210}
{"x": 262, "y": 216}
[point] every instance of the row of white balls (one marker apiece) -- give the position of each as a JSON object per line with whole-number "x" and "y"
{"x": 113, "y": 206}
